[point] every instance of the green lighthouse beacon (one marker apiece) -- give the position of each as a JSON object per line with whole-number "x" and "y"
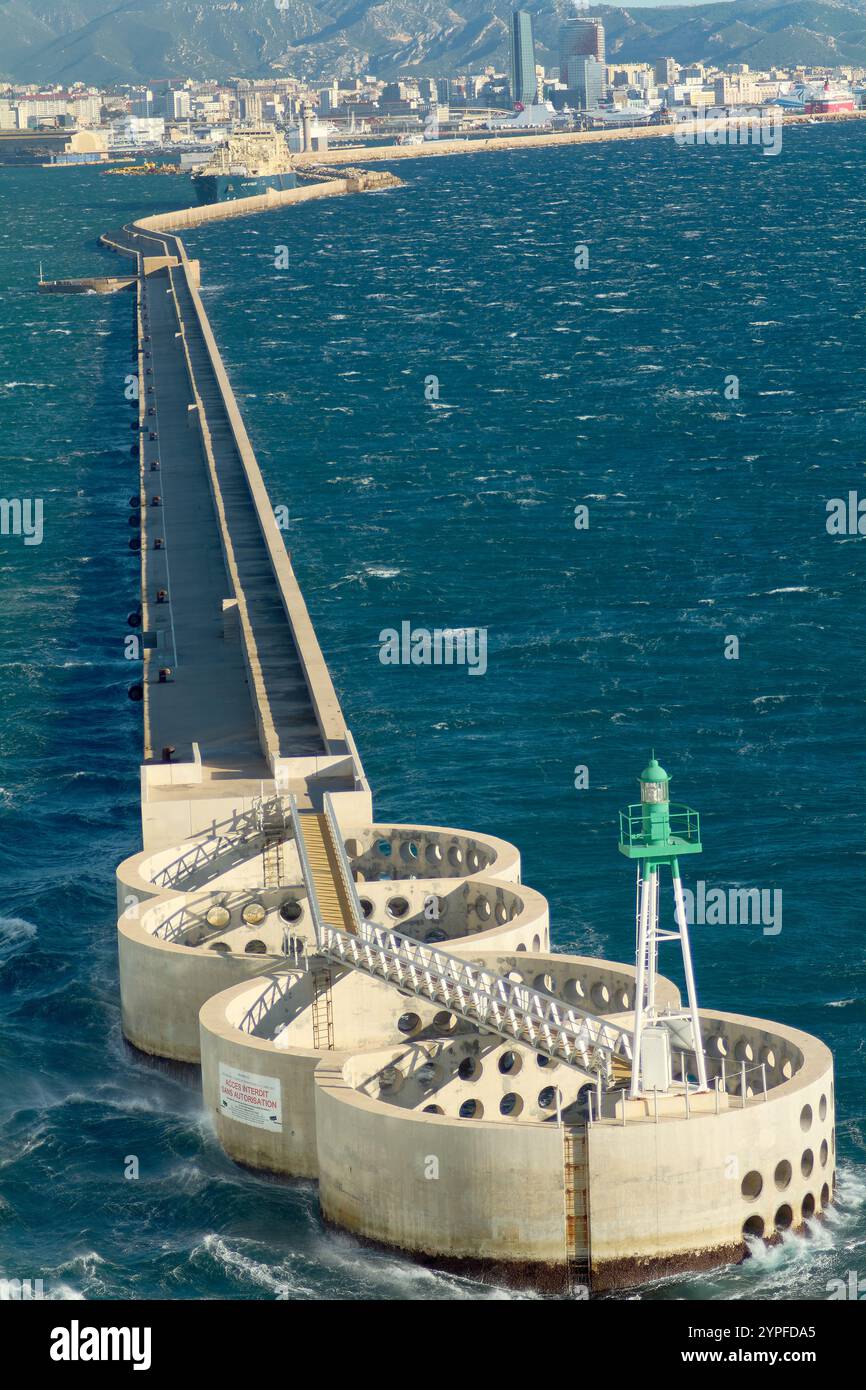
{"x": 656, "y": 833}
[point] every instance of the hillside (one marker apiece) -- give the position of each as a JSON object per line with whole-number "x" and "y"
{"x": 103, "y": 42}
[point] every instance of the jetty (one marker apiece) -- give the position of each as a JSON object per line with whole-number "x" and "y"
{"x": 375, "y": 1004}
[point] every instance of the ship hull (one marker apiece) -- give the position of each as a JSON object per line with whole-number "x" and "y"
{"x": 222, "y": 188}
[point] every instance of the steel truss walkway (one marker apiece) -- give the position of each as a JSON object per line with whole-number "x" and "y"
{"x": 494, "y": 1003}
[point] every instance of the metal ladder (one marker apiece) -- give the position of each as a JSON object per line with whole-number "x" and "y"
{"x": 576, "y": 1192}
{"x": 272, "y": 860}
{"x": 323, "y": 1009}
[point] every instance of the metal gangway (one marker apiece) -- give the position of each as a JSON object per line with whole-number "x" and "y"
{"x": 494, "y": 1003}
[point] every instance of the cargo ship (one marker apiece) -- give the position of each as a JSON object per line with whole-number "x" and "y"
{"x": 252, "y": 160}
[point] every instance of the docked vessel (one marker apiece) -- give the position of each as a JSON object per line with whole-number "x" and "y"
{"x": 252, "y": 160}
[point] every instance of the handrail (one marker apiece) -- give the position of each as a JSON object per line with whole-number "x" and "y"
{"x": 199, "y": 853}
{"x": 507, "y": 1007}
{"x": 343, "y": 863}
{"x": 306, "y": 871}
{"x": 260, "y": 1005}
{"x": 684, "y": 823}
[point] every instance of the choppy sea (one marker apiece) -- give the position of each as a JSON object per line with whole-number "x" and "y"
{"x": 451, "y": 503}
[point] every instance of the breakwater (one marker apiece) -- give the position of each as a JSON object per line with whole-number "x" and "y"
{"x": 359, "y": 993}
{"x": 492, "y": 144}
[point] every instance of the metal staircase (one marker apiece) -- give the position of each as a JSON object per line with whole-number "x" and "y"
{"x": 322, "y": 855}
{"x": 494, "y": 1003}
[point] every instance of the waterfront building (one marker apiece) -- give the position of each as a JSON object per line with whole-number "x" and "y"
{"x": 579, "y": 38}
{"x": 587, "y": 83}
{"x": 177, "y": 105}
{"x": 666, "y": 70}
{"x": 524, "y": 83}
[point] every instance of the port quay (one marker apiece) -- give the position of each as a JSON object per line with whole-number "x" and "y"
{"x": 375, "y": 1006}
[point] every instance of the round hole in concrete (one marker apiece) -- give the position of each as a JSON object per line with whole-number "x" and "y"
{"x": 510, "y": 1104}
{"x": 444, "y": 1022}
{"x": 822, "y": 1108}
{"x": 784, "y": 1218}
{"x": 407, "y": 1023}
{"x": 254, "y": 914}
{"x": 753, "y": 1226}
{"x": 807, "y": 1210}
{"x": 806, "y": 1118}
{"x": 825, "y": 1196}
{"x": 471, "y": 1110}
{"x": 509, "y": 1063}
{"x": 547, "y": 1097}
{"x": 433, "y": 1110}
{"x": 218, "y": 916}
{"x": 398, "y": 907}
{"x": 752, "y": 1185}
{"x": 782, "y": 1175}
{"x": 825, "y": 1153}
{"x": 807, "y": 1163}
{"x": 255, "y": 948}
{"x": 291, "y": 910}
{"x": 366, "y": 908}
{"x": 222, "y": 947}
{"x": 469, "y": 1069}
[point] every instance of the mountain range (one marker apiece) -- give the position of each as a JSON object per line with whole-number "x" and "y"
{"x": 113, "y": 41}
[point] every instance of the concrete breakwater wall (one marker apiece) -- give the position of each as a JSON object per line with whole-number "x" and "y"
{"x": 497, "y": 143}
{"x": 364, "y": 182}
{"x": 294, "y": 748}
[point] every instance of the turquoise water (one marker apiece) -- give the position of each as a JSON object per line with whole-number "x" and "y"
{"x": 557, "y": 387}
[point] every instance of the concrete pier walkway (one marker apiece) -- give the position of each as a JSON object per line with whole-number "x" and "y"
{"x": 238, "y": 700}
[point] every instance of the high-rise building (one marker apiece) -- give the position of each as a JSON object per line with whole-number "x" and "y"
{"x": 177, "y": 104}
{"x": 588, "y": 84}
{"x": 579, "y": 38}
{"x": 666, "y": 70}
{"x": 524, "y": 84}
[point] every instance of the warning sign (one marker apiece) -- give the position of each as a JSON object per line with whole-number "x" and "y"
{"x": 252, "y": 1100}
